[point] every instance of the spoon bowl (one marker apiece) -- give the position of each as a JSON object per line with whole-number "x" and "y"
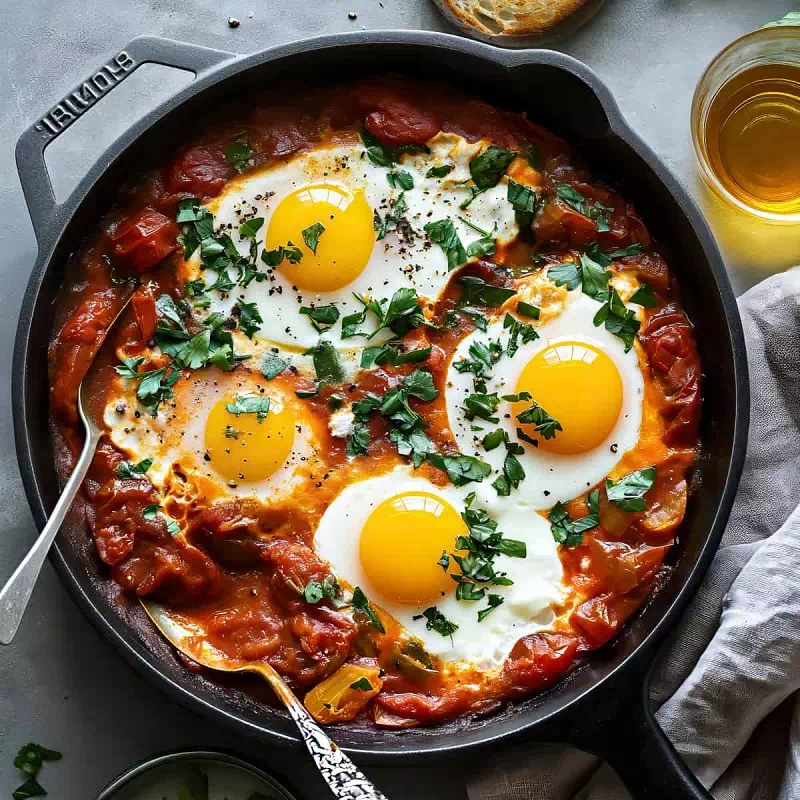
{"x": 343, "y": 777}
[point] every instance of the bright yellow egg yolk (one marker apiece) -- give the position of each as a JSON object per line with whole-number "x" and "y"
{"x": 249, "y": 446}
{"x": 579, "y": 386}
{"x": 403, "y": 540}
{"x": 344, "y": 245}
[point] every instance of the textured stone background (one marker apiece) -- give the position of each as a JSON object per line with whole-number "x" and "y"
{"x": 59, "y": 683}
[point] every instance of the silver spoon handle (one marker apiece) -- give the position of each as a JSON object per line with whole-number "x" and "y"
{"x": 14, "y": 596}
{"x": 344, "y": 778}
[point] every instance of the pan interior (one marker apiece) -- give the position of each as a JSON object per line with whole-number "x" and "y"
{"x": 548, "y": 90}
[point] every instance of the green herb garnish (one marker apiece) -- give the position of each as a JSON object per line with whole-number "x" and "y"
{"x": 360, "y": 603}
{"x": 127, "y": 470}
{"x": 628, "y": 492}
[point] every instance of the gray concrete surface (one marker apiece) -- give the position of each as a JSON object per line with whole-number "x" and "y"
{"x": 59, "y": 683}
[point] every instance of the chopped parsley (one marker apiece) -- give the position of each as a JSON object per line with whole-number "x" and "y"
{"x": 400, "y": 179}
{"x": 439, "y": 172}
{"x": 315, "y": 591}
{"x": 238, "y": 154}
{"x": 487, "y": 168}
{"x": 461, "y": 469}
{"x": 480, "y": 360}
{"x": 478, "y": 292}
{"x": 644, "y": 296}
{"x": 618, "y": 319}
{"x": 542, "y": 422}
{"x": 482, "y": 545}
{"x": 311, "y": 236}
{"x": 407, "y": 426}
{"x": 291, "y": 253}
{"x": 527, "y": 310}
{"x": 151, "y": 512}
{"x": 126, "y": 470}
{"x": 513, "y": 473}
{"x": 249, "y": 228}
{"x": 379, "y": 155}
{"x": 628, "y": 492}
{"x": 390, "y": 354}
{"x": 592, "y": 209}
{"x": 482, "y": 406}
{"x": 523, "y": 200}
{"x": 249, "y": 404}
{"x": 444, "y": 233}
{"x": 361, "y": 685}
{"x": 591, "y": 274}
{"x": 322, "y": 317}
{"x": 273, "y": 365}
{"x": 230, "y": 432}
{"x": 249, "y": 318}
{"x": 360, "y": 603}
{"x": 29, "y": 761}
{"x": 533, "y": 156}
{"x": 569, "y": 532}
{"x": 326, "y": 362}
{"x": 517, "y": 332}
{"x": 400, "y": 314}
{"x": 436, "y": 621}
{"x": 393, "y": 220}
{"x": 494, "y": 601}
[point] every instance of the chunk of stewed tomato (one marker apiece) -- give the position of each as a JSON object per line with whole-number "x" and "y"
{"x": 201, "y": 171}
{"x": 144, "y": 239}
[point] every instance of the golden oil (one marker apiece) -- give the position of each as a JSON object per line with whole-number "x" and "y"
{"x": 752, "y": 137}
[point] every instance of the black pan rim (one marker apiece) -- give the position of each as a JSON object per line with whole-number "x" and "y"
{"x": 505, "y": 58}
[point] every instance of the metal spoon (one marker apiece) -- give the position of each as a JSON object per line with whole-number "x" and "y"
{"x": 14, "y": 596}
{"x": 343, "y": 777}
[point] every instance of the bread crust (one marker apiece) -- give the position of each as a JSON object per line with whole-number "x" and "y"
{"x": 509, "y": 18}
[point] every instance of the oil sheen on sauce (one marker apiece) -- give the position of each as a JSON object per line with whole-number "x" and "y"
{"x": 752, "y": 137}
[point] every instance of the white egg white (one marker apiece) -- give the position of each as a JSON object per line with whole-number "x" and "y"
{"x": 549, "y": 477}
{"x": 528, "y": 603}
{"x": 396, "y": 262}
{"x": 174, "y": 439}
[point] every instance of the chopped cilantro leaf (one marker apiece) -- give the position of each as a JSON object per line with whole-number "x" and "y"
{"x": 644, "y": 296}
{"x": 618, "y": 319}
{"x": 125, "y": 469}
{"x": 594, "y": 278}
{"x": 543, "y": 423}
{"x": 628, "y": 492}
{"x": 399, "y": 178}
{"x": 322, "y": 317}
{"x": 361, "y": 685}
{"x": 249, "y": 318}
{"x": 326, "y": 362}
{"x": 527, "y": 310}
{"x": 249, "y": 404}
{"x": 315, "y": 591}
{"x": 461, "y": 469}
{"x": 487, "y": 168}
{"x": 478, "y": 292}
{"x": 443, "y": 233}
{"x": 439, "y": 172}
{"x": 494, "y": 600}
{"x": 238, "y": 154}
{"x": 565, "y": 274}
{"x": 568, "y": 531}
{"x": 272, "y": 366}
{"x": 311, "y": 236}
{"x": 436, "y": 621}
{"x": 249, "y": 228}
{"x": 592, "y": 209}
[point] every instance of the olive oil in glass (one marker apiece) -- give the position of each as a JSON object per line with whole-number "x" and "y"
{"x": 752, "y": 137}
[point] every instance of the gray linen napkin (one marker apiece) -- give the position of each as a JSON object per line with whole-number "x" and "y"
{"x": 728, "y": 679}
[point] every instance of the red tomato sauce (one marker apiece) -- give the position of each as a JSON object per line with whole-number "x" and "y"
{"x": 238, "y": 569}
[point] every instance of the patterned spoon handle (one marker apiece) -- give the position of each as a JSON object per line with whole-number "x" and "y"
{"x": 344, "y": 778}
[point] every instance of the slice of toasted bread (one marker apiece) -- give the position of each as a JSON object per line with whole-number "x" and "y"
{"x": 510, "y": 18}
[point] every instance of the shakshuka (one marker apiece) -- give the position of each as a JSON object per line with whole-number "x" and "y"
{"x": 403, "y": 404}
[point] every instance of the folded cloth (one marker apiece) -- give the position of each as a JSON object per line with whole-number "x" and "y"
{"x": 727, "y": 680}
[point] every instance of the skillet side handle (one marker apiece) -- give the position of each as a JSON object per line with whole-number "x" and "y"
{"x": 625, "y": 734}
{"x": 46, "y": 213}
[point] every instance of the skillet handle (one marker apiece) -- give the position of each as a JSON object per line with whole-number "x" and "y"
{"x": 46, "y": 214}
{"x": 623, "y": 731}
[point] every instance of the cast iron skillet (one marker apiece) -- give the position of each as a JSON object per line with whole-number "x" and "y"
{"x": 604, "y": 707}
